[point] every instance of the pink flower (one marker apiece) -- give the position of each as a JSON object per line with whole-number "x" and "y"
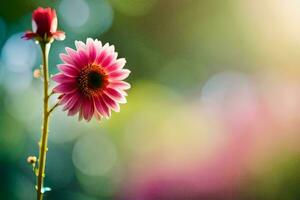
{"x": 91, "y": 80}
{"x": 44, "y": 26}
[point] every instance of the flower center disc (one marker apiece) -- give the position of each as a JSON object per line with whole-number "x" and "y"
{"x": 95, "y": 80}
{"x": 92, "y": 80}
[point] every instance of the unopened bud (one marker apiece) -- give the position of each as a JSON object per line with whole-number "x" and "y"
{"x": 37, "y": 73}
{"x": 31, "y": 159}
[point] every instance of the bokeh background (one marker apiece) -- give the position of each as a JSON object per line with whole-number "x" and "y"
{"x": 213, "y": 113}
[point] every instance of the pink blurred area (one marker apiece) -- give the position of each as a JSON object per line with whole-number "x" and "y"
{"x": 248, "y": 121}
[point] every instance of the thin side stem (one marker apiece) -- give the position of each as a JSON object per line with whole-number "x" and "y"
{"x": 50, "y": 94}
{"x": 45, "y": 47}
{"x": 53, "y": 108}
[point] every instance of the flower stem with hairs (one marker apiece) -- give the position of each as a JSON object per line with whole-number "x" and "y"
{"x": 45, "y": 47}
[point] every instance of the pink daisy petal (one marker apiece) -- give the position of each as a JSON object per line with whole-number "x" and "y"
{"x": 111, "y": 103}
{"x": 119, "y": 64}
{"x": 123, "y": 93}
{"x": 92, "y": 50}
{"x": 66, "y": 59}
{"x": 102, "y": 107}
{"x": 74, "y": 110}
{"x": 68, "y": 70}
{"x": 107, "y": 54}
{"x": 61, "y": 78}
{"x": 111, "y": 49}
{"x": 65, "y": 88}
{"x": 80, "y": 46}
{"x": 65, "y": 98}
{"x": 122, "y": 85}
{"x": 72, "y": 101}
{"x": 75, "y": 57}
{"x": 92, "y": 111}
{"x": 115, "y": 95}
{"x": 87, "y": 109}
{"x": 102, "y": 54}
{"x": 83, "y": 58}
{"x": 119, "y": 75}
{"x": 71, "y": 52}
{"x": 109, "y": 59}
{"x": 98, "y": 46}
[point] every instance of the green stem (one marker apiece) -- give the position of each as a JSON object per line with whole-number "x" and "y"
{"x": 45, "y": 47}
{"x": 53, "y": 108}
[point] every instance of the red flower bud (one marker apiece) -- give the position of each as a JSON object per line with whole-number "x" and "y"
{"x": 44, "y": 26}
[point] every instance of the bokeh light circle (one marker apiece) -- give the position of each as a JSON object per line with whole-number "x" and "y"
{"x": 15, "y": 83}
{"x": 222, "y": 85}
{"x": 64, "y": 128}
{"x": 19, "y": 55}
{"x": 75, "y": 13}
{"x": 94, "y": 17}
{"x": 94, "y": 154}
{"x": 27, "y": 114}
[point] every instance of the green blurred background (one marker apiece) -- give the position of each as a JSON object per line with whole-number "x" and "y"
{"x": 213, "y": 113}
